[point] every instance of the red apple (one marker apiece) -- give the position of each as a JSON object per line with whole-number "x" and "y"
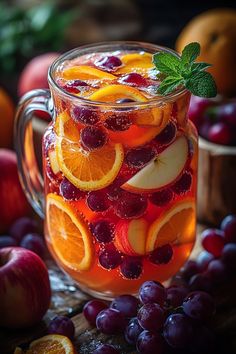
{"x": 24, "y": 288}
{"x": 130, "y": 236}
{"x": 35, "y": 73}
{"x": 13, "y": 201}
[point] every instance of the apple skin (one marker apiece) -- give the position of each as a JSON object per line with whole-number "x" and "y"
{"x": 24, "y": 288}
{"x": 13, "y": 201}
{"x": 35, "y": 73}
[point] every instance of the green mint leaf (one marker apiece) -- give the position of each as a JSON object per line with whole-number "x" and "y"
{"x": 167, "y": 63}
{"x": 169, "y": 84}
{"x": 200, "y": 66}
{"x": 201, "y": 84}
{"x": 190, "y": 53}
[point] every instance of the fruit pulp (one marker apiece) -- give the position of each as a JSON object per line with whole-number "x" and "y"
{"x": 120, "y": 175}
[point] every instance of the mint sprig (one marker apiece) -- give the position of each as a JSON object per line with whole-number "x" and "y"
{"x": 184, "y": 71}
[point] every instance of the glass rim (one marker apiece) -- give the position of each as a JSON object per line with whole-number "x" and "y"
{"x": 88, "y": 47}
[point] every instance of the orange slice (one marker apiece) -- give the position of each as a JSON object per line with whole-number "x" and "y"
{"x": 158, "y": 116}
{"x": 175, "y": 226}
{"x": 135, "y": 62}
{"x": 85, "y": 72}
{"x": 87, "y": 170}
{"x": 50, "y": 344}
{"x": 112, "y": 93}
{"x": 69, "y": 234}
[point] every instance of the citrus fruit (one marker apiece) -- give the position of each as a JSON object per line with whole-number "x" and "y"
{"x": 50, "y": 344}
{"x": 85, "y": 72}
{"x": 69, "y": 234}
{"x": 112, "y": 93}
{"x": 87, "y": 170}
{"x": 176, "y": 225}
{"x": 6, "y": 120}
{"x": 135, "y": 62}
{"x": 157, "y": 116}
{"x": 215, "y": 30}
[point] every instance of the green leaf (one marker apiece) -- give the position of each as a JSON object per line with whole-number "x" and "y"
{"x": 169, "y": 84}
{"x": 190, "y": 53}
{"x": 167, "y": 63}
{"x": 200, "y": 66}
{"x": 202, "y": 84}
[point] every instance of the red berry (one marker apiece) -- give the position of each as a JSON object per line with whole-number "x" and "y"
{"x": 162, "y": 197}
{"x": 220, "y": 133}
{"x": 92, "y": 137}
{"x": 74, "y": 86}
{"x": 109, "y": 62}
{"x": 167, "y": 135}
{"x": 197, "y": 106}
{"x": 131, "y": 205}
{"x": 103, "y": 231}
{"x": 97, "y": 201}
{"x": 131, "y": 267}
{"x": 139, "y": 157}
{"x": 134, "y": 79}
{"x": 109, "y": 257}
{"x": 183, "y": 184}
{"x": 85, "y": 115}
{"x": 69, "y": 191}
{"x": 118, "y": 122}
{"x": 161, "y": 255}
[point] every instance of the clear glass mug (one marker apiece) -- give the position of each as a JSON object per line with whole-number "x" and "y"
{"x": 109, "y": 224}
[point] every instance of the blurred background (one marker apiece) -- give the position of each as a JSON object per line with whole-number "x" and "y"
{"x": 32, "y": 27}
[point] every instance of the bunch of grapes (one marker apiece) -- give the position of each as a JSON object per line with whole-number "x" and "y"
{"x": 174, "y": 319}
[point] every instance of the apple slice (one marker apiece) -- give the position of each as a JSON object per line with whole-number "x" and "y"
{"x": 53, "y": 162}
{"x": 163, "y": 170}
{"x": 130, "y": 236}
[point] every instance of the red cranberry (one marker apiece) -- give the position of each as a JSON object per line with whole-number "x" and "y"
{"x": 134, "y": 79}
{"x": 85, "y": 115}
{"x": 162, "y": 197}
{"x": 109, "y": 62}
{"x": 139, "y": 157}
{"x": 183, "y": 184}
{"x": 74, "y": 86}
{"x": 109, "y": 257}
{"x": 131, "y": 205}
{"x": 161, "y": 255}
{"x": 118, "y": 122}
{"x": 97, "y": 201}
{"x": 131, "y": 267}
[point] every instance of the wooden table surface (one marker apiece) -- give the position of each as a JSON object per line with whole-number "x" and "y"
{"x": 68, "y": 300}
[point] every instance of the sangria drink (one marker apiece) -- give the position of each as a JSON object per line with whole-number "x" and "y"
{"x": 120, "y": 168}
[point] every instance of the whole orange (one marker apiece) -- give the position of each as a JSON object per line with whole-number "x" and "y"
{"x": 6, "y": 120}
{"x": 215, "y": 30}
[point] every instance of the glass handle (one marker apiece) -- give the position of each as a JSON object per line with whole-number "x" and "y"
{"x": 30, "y": 176}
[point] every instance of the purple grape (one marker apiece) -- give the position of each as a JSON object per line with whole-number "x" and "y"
{"x": 200, "y": 282}
{"x": 131, "y": 205}
{"x": 74, "y": 86}
{"x": 217, "y": 271}
{"x": 152, "y": 291}
{"x": 91, "y": 310}
{"x": 151, "y": 317}
{"x": 92, "y": 137}
{"x": 134, "y": 79}
{"x": 228, "y": 226}
{"x": 196, "y": 109}
{"x": 161, "y": 255}
{"x": 132, "y": 331}
{"x": 190, "y": 269}
{"x": 229, "y": 256}
{"x": 162, "y": 197}
{"x": 183, "y": 184}
{"x": 204, "y": 129}
{"x": 125, "y": 100}
{"x": 7, "y": 241}
{"x": 126, "y": 304}
{"x": 213, "y": 241}
{"x": 114, "y": 190}
{"x": 150, "y": 343}
{"x": 118, "y": 122}
{"x": 69, "y": 191}
{"x": 220, "y": 133}
{"x": 34, "y": 242}
{"x": 110, "y": 321}
{"x": 176, "y": 295}
{"x": 105, "y": 349}
{"x": 139, "y": 157}
{"x": 203, "y": 259}
{"x": 21, "y": 227}
{"x": 85, "y": 115}
{"x": 97, "y": 201}
{"x": 199, "y": 305}
{"x": 167, "y": 135}
{"x": 109, "y": 257}
{"x": 178, "y": 330}
{"x": 227, "y": 113}
{"x": 62, "y": 325}
{"x": 203, "y": 341}
{"x": 109, "y": 62}
{"x": 131, "y": 267}
{"x": 103, "y": 231}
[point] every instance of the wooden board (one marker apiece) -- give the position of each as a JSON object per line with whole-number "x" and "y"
{"x": 68, "y": 300}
